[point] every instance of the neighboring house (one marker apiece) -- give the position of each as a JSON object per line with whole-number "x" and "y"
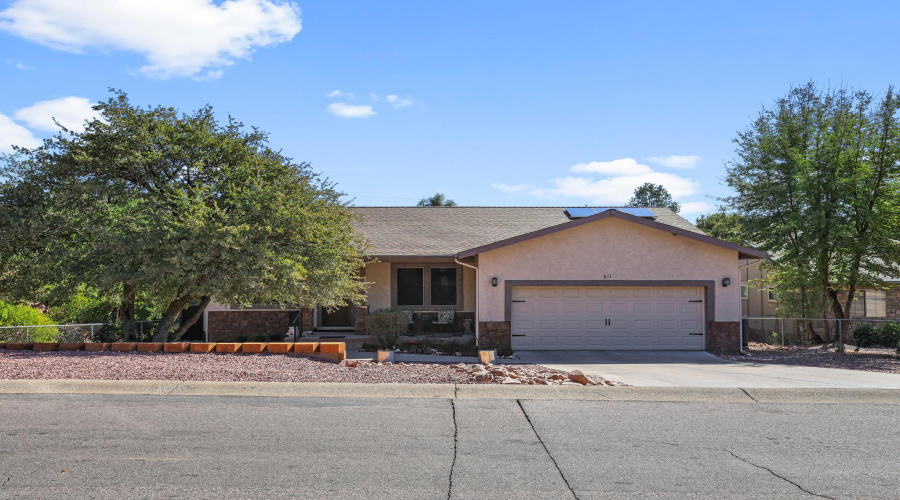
{"x": 761, "y": 301}
{"x": 537, "y": 278}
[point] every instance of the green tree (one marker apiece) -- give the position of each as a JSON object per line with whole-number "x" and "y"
{"x": 438, "y": 200}
{"x": 816, "y": 182}
{"x": 172, "y": 209}
{"x": 723, "y": 225}
{"x": 653, "y": 195}
{"x": 25, "y": 315}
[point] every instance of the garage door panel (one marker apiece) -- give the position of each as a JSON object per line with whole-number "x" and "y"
{"x": 608, "y": 318}
{"x": 618, "y": 308}
{"x": 523, "y": 307}
{"x": 572, "y": 307}
{"x": 523, "y": 292}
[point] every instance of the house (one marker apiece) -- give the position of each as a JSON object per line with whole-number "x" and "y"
{"x": 758, "y": 300}
{"x": 536, "y": 278}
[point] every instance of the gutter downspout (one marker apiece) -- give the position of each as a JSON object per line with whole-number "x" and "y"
{"x": 477, "y": 295}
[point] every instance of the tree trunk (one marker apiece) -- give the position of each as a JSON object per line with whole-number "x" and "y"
{"x": 204, "y": 301}
{"x": 169, "y": 317}
{"x": 129, "y": 321}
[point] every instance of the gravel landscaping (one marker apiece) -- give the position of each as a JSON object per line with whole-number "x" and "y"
{"x": 866, "y": 359}
{"x": 263, "y": 368}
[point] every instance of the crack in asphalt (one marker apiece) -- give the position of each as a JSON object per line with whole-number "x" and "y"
{"x": 538, "y": 436}
{"x": 770, "y": 471}
{"x": 455, "y": 447}
{"x": 748, "y": 394}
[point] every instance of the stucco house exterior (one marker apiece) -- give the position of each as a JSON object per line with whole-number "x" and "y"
{"x": 536, "y": 278}
{"x": 760, "y": 301}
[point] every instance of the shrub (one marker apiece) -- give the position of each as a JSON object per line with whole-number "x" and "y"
{"x": 22, "y": 315}
{"x": 240, "y": 338}
{"x": 888, "y": 335}
{"x": 258, "y": 338}
{"x": 864, "y": 335}
{"x": 385, "y": 327}
{"x": 276, "y": 337}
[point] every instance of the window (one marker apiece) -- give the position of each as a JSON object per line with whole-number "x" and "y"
{"x": 427, "y": 287}
{"x": 443, "y": 286}
{"x": 876, "y": 303}
{"x": 772, "y": 296}
{"x": 410, "y": 286}
{"x": 745, "y": 292}
{"x": 858, "y": 306}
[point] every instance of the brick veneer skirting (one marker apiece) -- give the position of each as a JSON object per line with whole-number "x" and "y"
{"x": 359, "y": 319}
{"x": 723, "y": 336}
{"x": 494, "y": 334}
{"x": 229, "y": 324}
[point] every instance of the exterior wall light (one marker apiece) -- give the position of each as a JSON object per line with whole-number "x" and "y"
{"x": 493, "y": 281}
{"x": 726, "y": 282}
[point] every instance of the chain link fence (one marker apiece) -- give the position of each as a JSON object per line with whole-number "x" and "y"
{"x": 89, "y": 332}
{"x": 786, "y": 332}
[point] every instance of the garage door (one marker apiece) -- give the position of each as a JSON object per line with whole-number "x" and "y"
{"x": 639, "y": 317}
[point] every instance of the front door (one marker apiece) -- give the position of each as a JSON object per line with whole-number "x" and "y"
{"x": 336, "y": 317}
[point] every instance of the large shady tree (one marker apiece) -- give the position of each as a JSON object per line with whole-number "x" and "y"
{"x": 177, "y": 209}
{"x": 817, "y": 185}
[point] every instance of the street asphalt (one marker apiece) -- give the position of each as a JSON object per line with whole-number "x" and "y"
{"x": 147, "y": 446}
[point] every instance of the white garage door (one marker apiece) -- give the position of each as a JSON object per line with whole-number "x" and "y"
{"x": 583, "y": 317}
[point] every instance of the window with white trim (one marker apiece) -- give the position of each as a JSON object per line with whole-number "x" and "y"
{"x": 772, "y": 296}
{"x": 745, "y": 292}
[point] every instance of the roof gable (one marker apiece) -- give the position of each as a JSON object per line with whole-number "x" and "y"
{"x": 743, "y": 252}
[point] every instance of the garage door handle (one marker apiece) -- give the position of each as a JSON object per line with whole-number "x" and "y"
{"x": 696, "y": 334}
{"x": 518, "y": 301}
{"x": 518, "y": 335}
{"x": 695, "y": 301}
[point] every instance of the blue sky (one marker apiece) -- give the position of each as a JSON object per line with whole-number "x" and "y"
{"x": 491, "y": 103}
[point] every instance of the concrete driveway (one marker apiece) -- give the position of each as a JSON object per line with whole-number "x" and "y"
{"x": 702, "y": 369}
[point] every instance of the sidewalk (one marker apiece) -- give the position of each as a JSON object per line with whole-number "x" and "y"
{"x": 450, "y": 391}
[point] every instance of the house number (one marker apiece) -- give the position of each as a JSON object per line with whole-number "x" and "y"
{"x": 607, "y": 276}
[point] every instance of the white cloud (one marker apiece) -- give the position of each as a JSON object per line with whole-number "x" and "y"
{"x": 696, "y": 207}
{"x": 510, "y": 188}
{"x": 11, "y": 133}
{"x": 624, "y": 166}
{"x": 177, "y": 37}
{"x": 614, "y": 190}
{"x": 676, "y": 161}
{"x": 350, "y": 110}
{"x": 608, "y": 183}
{"x": 70, "y": 112}
{"x": 19, "y": 65}
{"x": 338, "y": 93}
{"x": 398, "y": 102}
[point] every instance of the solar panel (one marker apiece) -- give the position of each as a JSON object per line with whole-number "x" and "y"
{"x": 581, "y": 212}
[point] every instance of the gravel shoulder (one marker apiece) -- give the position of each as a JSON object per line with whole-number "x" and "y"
{"x": 868, "y": 359}
{"x": 263, "y": 368}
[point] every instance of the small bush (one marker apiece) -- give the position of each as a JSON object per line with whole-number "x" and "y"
{"x": 258, "y": 338}
{"x": 864, "y": 335}
{"x": 385, "y": 327}
{"x": 22, "y": 315}
{"x": 276, "y": 337}
{"x": 240, "y": 338}
{"x": 888, "y": 335}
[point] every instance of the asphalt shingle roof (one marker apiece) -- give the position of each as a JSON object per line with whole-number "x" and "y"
{"x": 444, "y": 231}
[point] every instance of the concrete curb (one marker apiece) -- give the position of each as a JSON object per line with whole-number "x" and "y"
{"x": 451, "y": 391}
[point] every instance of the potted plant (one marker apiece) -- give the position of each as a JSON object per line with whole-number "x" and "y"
{"x": 385, "y": 327}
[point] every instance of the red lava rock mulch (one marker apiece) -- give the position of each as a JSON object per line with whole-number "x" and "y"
{"x": 866, "y": 359}
{"x": 261, "y": 368}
